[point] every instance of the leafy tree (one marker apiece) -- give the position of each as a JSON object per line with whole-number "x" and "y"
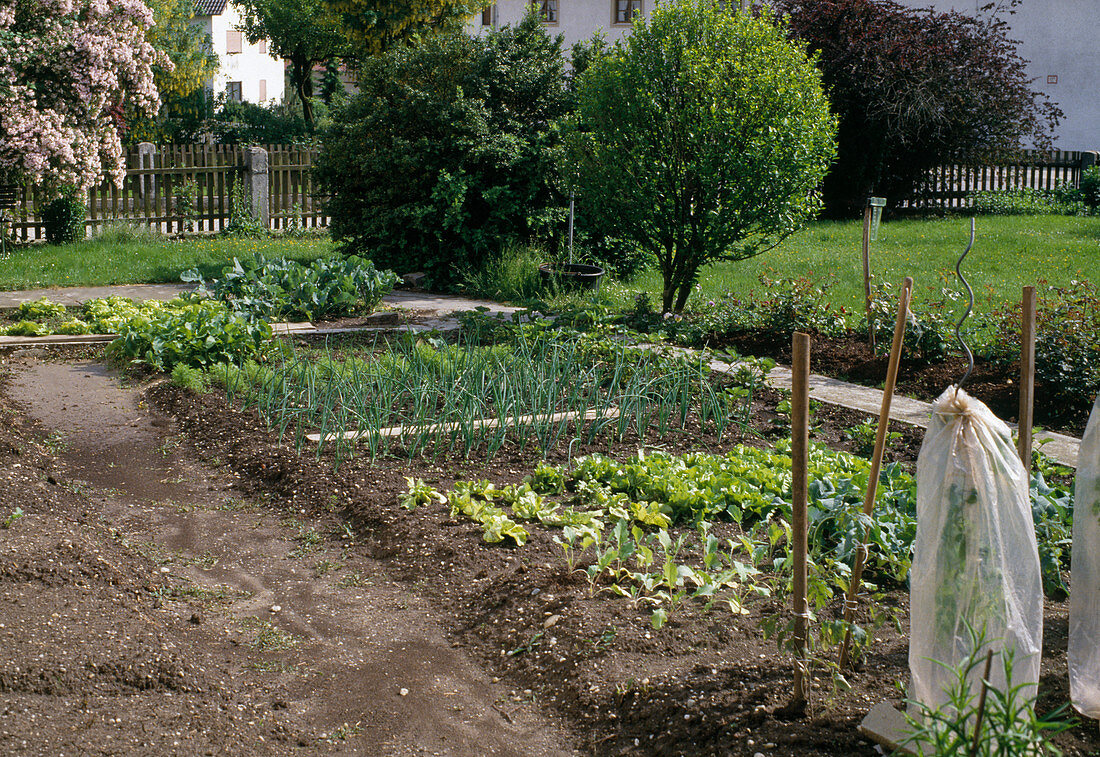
{"x": 914, "y": 89}
{"x": 304, "y": 32}
{"x": 251, "y": 124}
{"x": 65, "y": 68}
{"x": 449, "y": 152}
{"x": 378, "y": 25}
{"x": 701, "y": 137}
{"x": 180, "y": 84}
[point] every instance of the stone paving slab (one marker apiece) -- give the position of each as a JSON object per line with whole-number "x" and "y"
{"x": 73, "y": 296}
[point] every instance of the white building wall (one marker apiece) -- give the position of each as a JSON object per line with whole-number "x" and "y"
{"x": 578, "y": 20}
{"x": 249, "y": 66}
{"x": 1058, "y": 38}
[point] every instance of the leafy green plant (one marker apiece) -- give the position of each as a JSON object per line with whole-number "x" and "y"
{"x": 187, "y": 204}
{"x": 864, "y": 434}
{"x": 282, "y": 288}
{"x": 1067, "y": 352}
{"x": 1031, "y": 202}
{"x": 27, "y": 328}
{"x": 474, "y": 501}
{"x": 73, "y": 327}
{"x": 63, "y": 217}
{"x": 419, "y": 493}
{"x": 929, "y": 335}
{"x": 243, "y": 221}
{"x": 1090, "y": 187}
{"x": 9, "y": 520}
{"x": 41, "y": 310}
{"x": 198, "y": 334}
{"x": 191, "y": 379}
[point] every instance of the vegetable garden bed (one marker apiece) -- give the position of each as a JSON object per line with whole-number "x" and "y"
{"x": 630, "y": 571}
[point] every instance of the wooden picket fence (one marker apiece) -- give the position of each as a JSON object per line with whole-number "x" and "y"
{"x": 156, "y": 185}
{"x": 951, "y": 187}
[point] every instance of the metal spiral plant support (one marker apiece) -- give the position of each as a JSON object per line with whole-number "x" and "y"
{"x": 969, "y": 309}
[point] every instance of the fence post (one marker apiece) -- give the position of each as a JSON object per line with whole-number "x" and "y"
{"x": 256, "y": 182}
{"x": 1088, "y": 160}
{"x": 146, "y": 184}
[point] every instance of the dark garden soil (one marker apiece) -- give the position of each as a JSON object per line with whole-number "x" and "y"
{"x": 136, "y": 616}
{"x": 850, "y": 358}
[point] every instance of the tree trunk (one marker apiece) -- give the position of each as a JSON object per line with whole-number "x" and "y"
{"x": 684, "y": 293}
{"x": 303, "y": 81}
{"x": 668, "y": 293}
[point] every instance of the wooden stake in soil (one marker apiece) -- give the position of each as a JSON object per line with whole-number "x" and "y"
{"x": 876, "y": 465}
{"x": 981, "y": 705}
{"x": 867, "y": 274}
{"x": 1027, "y": 376}
{"x": 800, "y": 435}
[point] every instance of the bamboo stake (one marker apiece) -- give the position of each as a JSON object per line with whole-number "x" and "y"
{"x": 981, "y": 705}
{"x": 876, "y": 464}
{"x": 1027, "y": 377}
{"x": 867, "y": 274}
{"x": 800, "y": 434}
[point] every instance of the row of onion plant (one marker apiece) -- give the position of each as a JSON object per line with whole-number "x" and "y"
{"x": 534, "y": 390}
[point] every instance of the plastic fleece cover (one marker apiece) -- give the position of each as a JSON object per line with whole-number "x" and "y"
{"x": 1084, "y": 598}
{"x": 976, "y": 562}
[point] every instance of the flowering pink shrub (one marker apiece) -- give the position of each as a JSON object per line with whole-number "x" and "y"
{"x": 63, "y": 65}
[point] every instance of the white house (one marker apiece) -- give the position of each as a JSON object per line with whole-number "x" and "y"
{"x": 575, "y": 20}
{"x": 1058, "y": 37}
{"x": 246, "y": 72}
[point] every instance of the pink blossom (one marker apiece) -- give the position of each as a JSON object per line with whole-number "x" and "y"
{"x": 68, "y": 62}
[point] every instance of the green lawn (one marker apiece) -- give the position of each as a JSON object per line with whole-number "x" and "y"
{"x": 140, "y": 258}
{"x": 1009, "y": 253}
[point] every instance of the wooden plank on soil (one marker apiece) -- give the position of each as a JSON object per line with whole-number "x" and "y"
{"x": 591, "y": 415}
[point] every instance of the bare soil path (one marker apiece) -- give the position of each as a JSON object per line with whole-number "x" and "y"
{"x": 216, "y": 623}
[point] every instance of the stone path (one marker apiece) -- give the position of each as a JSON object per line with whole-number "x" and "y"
{"x": 72, "y": 296}
{"x": 1058, "y": 447}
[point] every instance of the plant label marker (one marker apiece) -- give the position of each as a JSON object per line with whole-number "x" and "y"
{"x": 876, "y": 465}
{"x": 800, "y": 435}
{"x": 1027, "y": 377}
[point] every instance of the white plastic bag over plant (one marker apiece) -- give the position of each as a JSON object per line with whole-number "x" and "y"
{"x": 975, "y": 563}
{"x": 1084, "y": 598}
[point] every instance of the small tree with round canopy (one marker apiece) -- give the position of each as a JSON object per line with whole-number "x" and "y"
{"x": 701, "y": 137}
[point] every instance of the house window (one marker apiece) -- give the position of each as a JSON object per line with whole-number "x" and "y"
{"x": 263, "y": 46}
{"x": 626, "y": 10}
{"x": 233, "y": 91}
{"x": 233, "y": 42}
{"x": 548, "y": 9}
{"x": 263, "y": 89}
{"x": 487, "y": 16}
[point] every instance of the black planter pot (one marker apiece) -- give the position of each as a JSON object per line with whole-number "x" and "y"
{"x": 572, "y": 275}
